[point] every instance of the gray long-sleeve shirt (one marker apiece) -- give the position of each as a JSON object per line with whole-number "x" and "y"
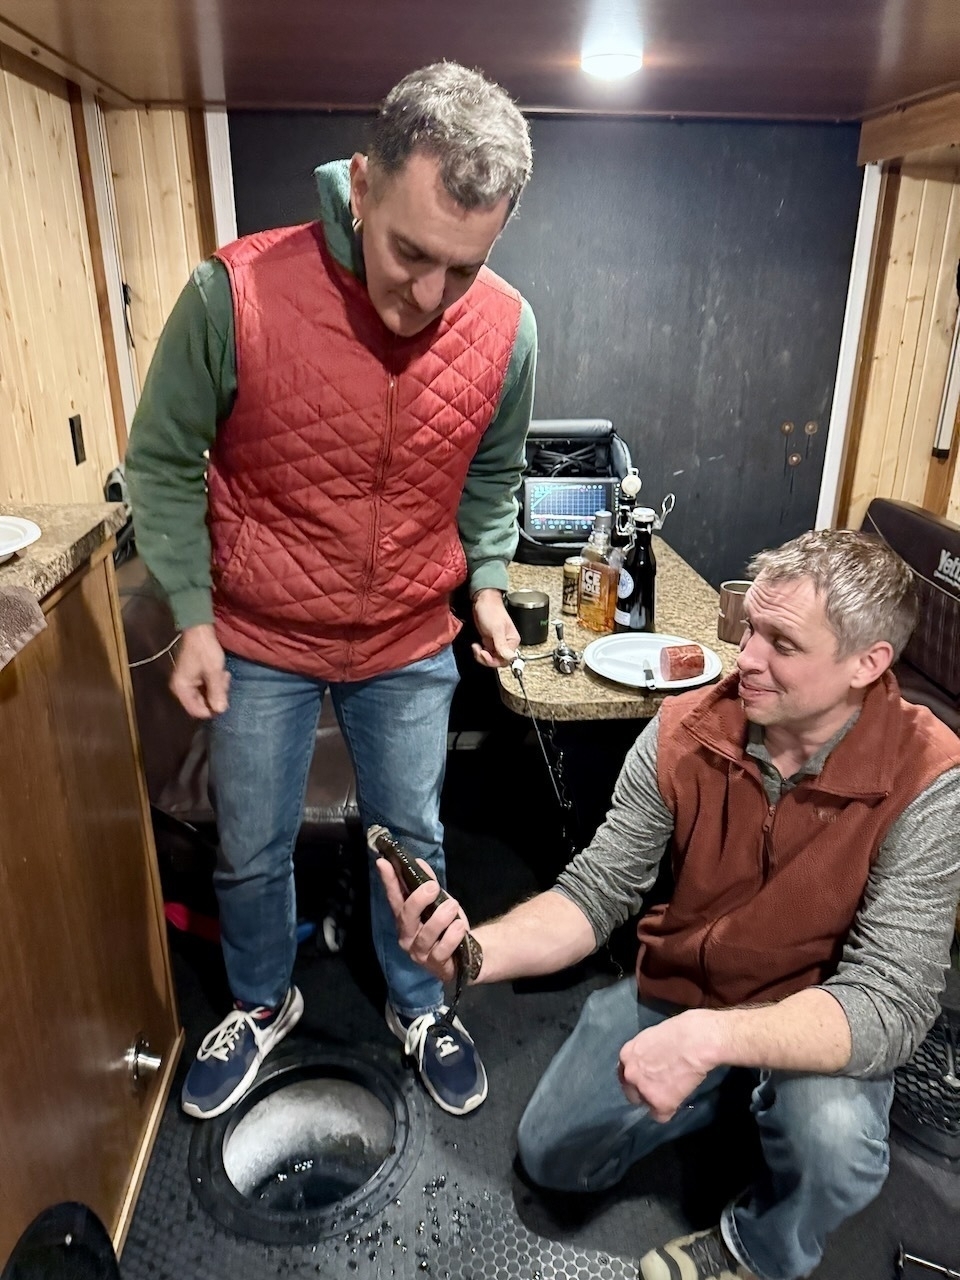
{"x": 892, "y": 968}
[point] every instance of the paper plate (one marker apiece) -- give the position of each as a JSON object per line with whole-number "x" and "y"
{"x": 621, "y": 657}
{"x": 15, "y": 534}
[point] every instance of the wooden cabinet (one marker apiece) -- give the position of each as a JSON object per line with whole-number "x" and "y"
{"x": 84, "y": 969}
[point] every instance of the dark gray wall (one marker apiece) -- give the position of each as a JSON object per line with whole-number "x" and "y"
{"x": 689, "y": 281}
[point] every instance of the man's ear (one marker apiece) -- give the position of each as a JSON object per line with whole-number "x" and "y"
{"x": 359, "y": 183}
{"x": 871, "y": 664}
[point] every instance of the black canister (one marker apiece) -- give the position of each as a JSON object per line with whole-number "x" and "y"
{"x": 530, "y": 611}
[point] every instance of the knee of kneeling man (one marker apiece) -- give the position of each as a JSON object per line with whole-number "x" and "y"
{"x": 539, "y": 1160}
{"x": 841, "y": 1135}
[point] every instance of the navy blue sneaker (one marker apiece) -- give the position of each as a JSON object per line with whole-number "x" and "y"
{"x": 446, "y": 1058}
{"x": 229, "y": 1058}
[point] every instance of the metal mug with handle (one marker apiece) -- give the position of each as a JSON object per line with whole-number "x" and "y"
{"x": 730, "y": 615}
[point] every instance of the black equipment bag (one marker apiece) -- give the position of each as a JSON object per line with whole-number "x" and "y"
{"x": 568, "y": 448}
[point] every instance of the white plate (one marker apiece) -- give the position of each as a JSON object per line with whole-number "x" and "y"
{"x": 15, "y": 534}
{"x": 620, "y": 658}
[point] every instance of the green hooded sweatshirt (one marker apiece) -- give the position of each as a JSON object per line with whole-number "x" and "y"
{"x": 190, "y": 390}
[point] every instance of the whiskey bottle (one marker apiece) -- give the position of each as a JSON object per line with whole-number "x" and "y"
{"x": 598, "y": 577}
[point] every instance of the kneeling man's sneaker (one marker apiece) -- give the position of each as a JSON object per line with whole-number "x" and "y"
{"x": 701, "y": 1256}
{"x": 446, "y": 1058}
{"x": 229, "y": 1058}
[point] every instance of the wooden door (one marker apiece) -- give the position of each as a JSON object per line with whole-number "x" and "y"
{"x": 83, "y": 963}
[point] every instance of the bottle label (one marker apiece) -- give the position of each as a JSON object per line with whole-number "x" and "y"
{"x": 591, "y": 581}
{"x": 625, "y": 585}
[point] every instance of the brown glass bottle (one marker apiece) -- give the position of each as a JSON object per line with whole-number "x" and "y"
{"x": 598, "y": 578}
{"x": 636, "y": 591}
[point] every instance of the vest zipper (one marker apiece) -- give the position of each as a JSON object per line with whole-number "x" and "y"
{"x": 767, "y": 833}
{"x": 389, "y": 422}
{"x": 765, "y": 874}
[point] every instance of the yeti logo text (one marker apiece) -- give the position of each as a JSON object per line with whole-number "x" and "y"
{"x": 948, "y": 570}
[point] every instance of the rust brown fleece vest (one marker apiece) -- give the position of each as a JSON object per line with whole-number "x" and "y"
{"x": 335, "y": 482}
{"x": 765, "y": 895}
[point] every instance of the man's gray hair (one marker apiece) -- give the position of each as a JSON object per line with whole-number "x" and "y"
{"x": 471, "y": 126}
{"x": 867, "y": 591}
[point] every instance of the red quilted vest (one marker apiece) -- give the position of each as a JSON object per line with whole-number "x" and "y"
{"x": 765, "y": 895}
{"x": 335, "y": 482}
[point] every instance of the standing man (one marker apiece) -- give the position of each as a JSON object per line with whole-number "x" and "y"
{"x": 811, "y": 817}
{"x": 363, "y": 386}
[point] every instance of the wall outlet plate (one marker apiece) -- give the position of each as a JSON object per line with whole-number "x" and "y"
{"x": 76, "y": 434}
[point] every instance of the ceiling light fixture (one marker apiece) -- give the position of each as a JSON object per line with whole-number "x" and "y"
{"x": 611, "y": 66}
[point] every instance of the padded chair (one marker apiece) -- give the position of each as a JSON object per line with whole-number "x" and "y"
{"x": 926, "y": 1110}
{"x": 174, "y": 745}
{"x": 929, "y": 669}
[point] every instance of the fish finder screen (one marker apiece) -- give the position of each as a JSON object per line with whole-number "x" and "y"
{"x": 563, "y": 509}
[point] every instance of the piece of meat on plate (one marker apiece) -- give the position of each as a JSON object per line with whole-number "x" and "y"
{"x": 681, "y": 661}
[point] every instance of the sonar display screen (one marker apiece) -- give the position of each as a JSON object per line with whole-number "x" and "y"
{"x": 564, "y": 508}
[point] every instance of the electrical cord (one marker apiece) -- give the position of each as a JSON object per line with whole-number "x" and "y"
{"x": 142, "y": 662}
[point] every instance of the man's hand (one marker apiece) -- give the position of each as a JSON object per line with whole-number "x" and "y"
{"x": 500, "y": 639}
{"x": 200, "y": 679}
{"x": 663, "y": 1065}
{"x": 430, "y": 943}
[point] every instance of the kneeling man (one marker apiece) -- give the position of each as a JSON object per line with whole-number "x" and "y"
{"x": 811, "y": 819}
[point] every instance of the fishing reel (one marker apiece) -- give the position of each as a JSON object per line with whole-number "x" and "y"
{"x": 565, "y": 660}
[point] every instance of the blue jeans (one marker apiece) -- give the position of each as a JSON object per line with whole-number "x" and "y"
{"x": 395, "y": 726}
{"x": 824, "y": 1138}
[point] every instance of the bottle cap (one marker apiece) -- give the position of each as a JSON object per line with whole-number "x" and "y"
{"x": 631, "y": 483}
{"x": 644, "y": 515}
{"x": 603, "y": 520}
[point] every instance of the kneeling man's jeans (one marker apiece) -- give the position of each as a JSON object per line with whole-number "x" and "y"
{"x": 824, "y": 1138}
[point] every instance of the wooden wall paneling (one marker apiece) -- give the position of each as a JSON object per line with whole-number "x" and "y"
{"x": 907, "y": 341}
{"x": 861, "y": 396}
{"x": 930, "y": 482}
{"x": 20, "y": 273}
{"x": 942, "y": 474}
{"x": 19, "y": 466}
{"x": 170, "y": 196}
{"x": 101, "y": 285}
{"x": 882, "y": 369}
{"x": 134, "y": 231}
{"x": 82, "y": 384}
{"x": 202, "y": 182}
{"x": 911, "y": 424}
{"x": 49, "y": 313}
{"x": 159, "y": 218}
{"x": 36, "y": 124}
{"x": 910, "y": 275}
{"x": 902, "y": 132}
{"x": 188, "y": 202}
{"x": 953, "y": 502}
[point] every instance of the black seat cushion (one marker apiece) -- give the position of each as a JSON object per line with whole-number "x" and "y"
{"x": 929, "y": 669}
{"x": 174, "y": 746}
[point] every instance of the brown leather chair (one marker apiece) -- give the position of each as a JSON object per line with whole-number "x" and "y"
{"x": 929, "y": 669}
{"x": 174, "y": 745}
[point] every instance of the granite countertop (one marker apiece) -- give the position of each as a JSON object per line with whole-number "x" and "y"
{"x": 72, "y": 532}
{"x": 686, "y": 606}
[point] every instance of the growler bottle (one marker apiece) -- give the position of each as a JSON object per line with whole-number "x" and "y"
{"x": 636, "y": 590}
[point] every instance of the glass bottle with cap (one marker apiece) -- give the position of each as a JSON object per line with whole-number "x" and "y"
{"x": 636, "y": 590}
{"x": 598, "y": 577}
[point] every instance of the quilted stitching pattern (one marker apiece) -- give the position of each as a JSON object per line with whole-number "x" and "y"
{"x": 334, "y": 485}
